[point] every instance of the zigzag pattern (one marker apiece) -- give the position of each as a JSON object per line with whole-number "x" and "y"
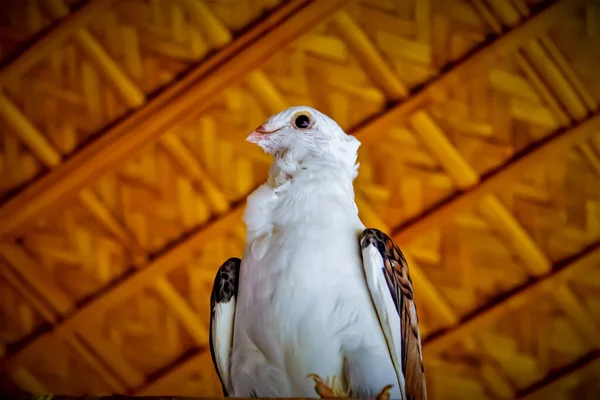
{"x": 20, "y": 20}
{"x": 467, "y": 262}
{"x": 18, "y": 165}
{"x": 320, "y": 70}
{"x": 399, "y": 177}
{"x": 496, "y": 114}
{"x": 418, "y": 38}
{"x": 76, "y": 252}
{"x": 556, "y": 202}
{"x": 349, "y": 67}
{"x": 18, "y": 317}
{"x": 50, "y": 366}
{"x": 171, "y": 186}
{"x": 134, "y": 326}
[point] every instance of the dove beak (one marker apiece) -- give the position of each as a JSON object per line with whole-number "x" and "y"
{"x": 260, "y": 133}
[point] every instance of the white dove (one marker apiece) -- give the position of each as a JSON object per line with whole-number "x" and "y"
{"x": 319, "y": 306}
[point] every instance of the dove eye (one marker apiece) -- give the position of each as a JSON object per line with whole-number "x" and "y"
{"x": 302, "y": 120}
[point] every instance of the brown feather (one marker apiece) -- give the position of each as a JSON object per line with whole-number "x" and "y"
{"x": 400, "y": 284}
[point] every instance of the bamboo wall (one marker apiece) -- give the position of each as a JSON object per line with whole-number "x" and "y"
{"x": 123, "y": 174}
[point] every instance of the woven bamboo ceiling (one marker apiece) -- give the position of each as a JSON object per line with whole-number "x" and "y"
{"x": 123, "y": 174}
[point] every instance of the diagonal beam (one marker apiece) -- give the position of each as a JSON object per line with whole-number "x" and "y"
{"x": 194, "y": 92}
{"x": 46, "y": 45}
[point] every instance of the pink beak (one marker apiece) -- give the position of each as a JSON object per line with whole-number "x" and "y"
{"x": 260, "y": 133}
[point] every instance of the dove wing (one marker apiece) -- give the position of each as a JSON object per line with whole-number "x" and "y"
{"x": 222, "y": 313}
{"x": 391, "y": 289}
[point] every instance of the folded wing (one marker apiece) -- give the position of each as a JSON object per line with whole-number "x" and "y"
{"x": 391, "y": 289}
{"x": 222, "y": 313}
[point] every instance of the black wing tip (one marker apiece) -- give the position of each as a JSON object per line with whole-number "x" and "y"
{"x": 224, "y": 289}
{"x": 235, "y": 261}
{"x": 371, "y": 236}
{"x": 225, "y": 285}
{"x": 379, "y": 239}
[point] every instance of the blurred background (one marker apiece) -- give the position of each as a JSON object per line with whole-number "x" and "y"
{"x": 124, "y": 170}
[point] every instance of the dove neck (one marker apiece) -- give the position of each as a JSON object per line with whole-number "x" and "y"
{"x": 311, "y": 187}
{"x": 312, "y": 195}
{"x": 322, "y": 173}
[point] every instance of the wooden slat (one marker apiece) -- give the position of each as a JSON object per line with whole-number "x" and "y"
{"x": 496, "y": 382}
{"x": 125, "y": 86}
{"x": 500, "y": 218}
{"x": 590, "y": 156}
{"x": 576, "y": 311}
{"x": 193, "y": 92}
{"x": 369, "y": 216}
{"x": 590, "y": 101}
{"x": 99, "y": 211}
{"x": 28, "y": 133}
{"x": 184, "y": 157}
{"x": 101, "y": 369}
{"x": 32, "y": 297}
{"x": 556, "y": 79}
{"x": 217, "y": 33}
{"x": 379, "y": 71}
{"x": 36, "y": 276}
{"x": 45, "y": 46}
{"x": 506, "y": 11}
{"x": 428, "y": 293}
{"x": 189, "y": 319}
{"x": 543, "y": 90}
{"x": 266, "y": 91}
{"x": 487, "y": 15}
{"x": 57, "y": 8}
{"x": 523, "y": 63}
{"x": 27, "y": 381}
{"x": 440, "y": 146}
{"x": 521, "y": 7}
{"x": 107, "y": 351}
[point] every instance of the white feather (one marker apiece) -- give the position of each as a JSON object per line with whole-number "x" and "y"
{"x": 222, "y": 333}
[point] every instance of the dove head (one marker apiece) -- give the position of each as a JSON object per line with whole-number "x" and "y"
{"x": 303, "y": 135}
